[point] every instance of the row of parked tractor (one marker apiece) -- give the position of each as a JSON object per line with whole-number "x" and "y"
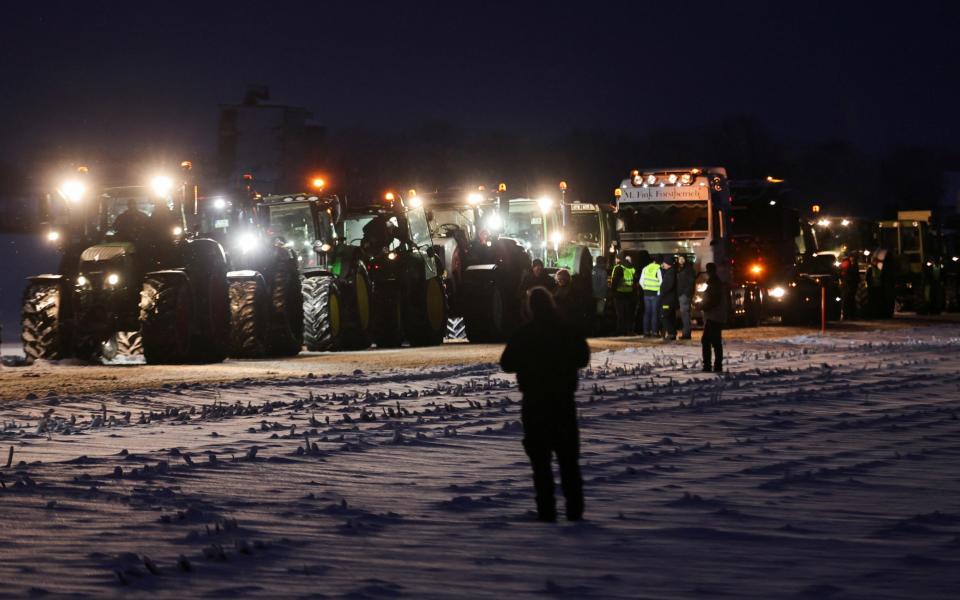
{"x": 183, "y": 276}
{"x": 162, "y": 269}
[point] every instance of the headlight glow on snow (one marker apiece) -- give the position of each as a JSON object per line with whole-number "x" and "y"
{"x": 777, "y": 292}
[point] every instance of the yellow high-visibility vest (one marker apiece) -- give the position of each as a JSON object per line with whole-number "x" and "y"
{"x": 626, "y": 283}
{"x": 649, "y": 280}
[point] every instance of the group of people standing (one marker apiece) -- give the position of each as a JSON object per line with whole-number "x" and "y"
{"x": 649, "y": 300}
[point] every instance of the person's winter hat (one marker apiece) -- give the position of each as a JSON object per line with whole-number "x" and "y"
{"x": 668, "y": 260}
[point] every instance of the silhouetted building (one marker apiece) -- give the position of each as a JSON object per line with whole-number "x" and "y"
{"x": 279, "y": 145}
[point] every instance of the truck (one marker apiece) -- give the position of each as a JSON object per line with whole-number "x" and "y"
{"x": 773, "y": 246}
{"x": 684, "y": 211}
{"x": 139, "y": 269}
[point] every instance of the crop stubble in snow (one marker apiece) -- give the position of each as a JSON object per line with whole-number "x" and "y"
{"x": 818, "y": 467}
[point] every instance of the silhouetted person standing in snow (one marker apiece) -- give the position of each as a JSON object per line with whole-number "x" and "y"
{"x": 546, "y": 353}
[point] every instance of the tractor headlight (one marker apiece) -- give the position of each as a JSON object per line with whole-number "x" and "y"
{"x": 113, "y": 279}
{"x": 701, "y": 287}
{"x": 72, "y": 190}
{"x": 219, "y": 203}
{"x": 82, "y": 281}
{"x": 53, "y": 235}
{"x": 161, "y": 185}
{"x": 777, "y": 292}
{"x": 177, "y": 230}
{"x": 391, "y": 255}
{"x": 556, "y": 237}
{"x": 247, "y": 242}
{"x": 494, "y": 222}
{"x": 326, "y": 248}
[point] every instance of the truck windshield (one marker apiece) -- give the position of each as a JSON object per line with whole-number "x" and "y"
{"x": 662, "y": 217}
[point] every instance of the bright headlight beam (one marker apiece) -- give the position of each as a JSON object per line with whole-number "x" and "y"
{"x": 113, "y": 279}
{"x": 494, "y": 222}
{"x": 161, "y": 185}
{"x": 545, "y": 204}
{"x": 777, "y": 292}
{"x": 72, "y": 190}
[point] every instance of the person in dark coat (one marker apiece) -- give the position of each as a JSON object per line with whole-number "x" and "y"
{"x": 537, "y": 277}
{"x": 668, "y": 298}
{"x": 686, "y": 283}
{"x": 546, "y": 354}
{"x": 716, "y": 306}
{"x": 131, "y": 225}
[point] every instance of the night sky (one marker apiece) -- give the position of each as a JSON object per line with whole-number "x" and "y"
{"x": 103, "y": 73}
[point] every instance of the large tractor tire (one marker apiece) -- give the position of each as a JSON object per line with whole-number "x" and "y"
{"x": 425, "y": 319}
{"x": 166, "y": 320}
{"x": 286, "y": 315}
{"x": 356, "y": 313}
{"x": 211, "y": 343}
{"x": 42, "y": 324}
{"x": 249, "y": 307}
{"x": 456, "y": 328}
{"x": 322, "y": 314}
{"x": 485, "y": 321}
{"x": 122, "y": 344}
{"x": 386, "y": 318}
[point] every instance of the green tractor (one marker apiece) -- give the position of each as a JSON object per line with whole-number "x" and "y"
{"x": 334, "y": 284}
{"x": 293, "y": 281}
{"x": 407, "y": 294}
{"x": 144, "y": 274}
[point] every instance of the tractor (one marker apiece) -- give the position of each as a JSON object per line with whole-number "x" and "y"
{"x": 408, "y": 299}
{"x": 144, "y": 272}
{"x": 483, "y": 262}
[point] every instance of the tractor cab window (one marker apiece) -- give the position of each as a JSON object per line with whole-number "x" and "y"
{"x": 909, "y": 239}
{"x": 292, "y": 226}
{"x": 584, "y": 228}
{"x": 447, "y": 220}
{"x": 115, "y": 203}
{"x": 419, "y": 229}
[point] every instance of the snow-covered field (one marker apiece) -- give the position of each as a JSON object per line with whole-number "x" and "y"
{"x": 815, "y": 468}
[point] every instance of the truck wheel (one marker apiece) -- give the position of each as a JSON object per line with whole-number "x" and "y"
{"x": 41, "y": 330}
{"x": 322, "y": 314}
{"x": 286, "y": 326}
{"x": 356, "y": 314}
{"x": 426, "y": 318}
{"x": 166, "y": 320}
{"x": 248, "y": 318}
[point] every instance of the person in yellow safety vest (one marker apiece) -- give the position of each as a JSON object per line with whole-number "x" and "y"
{"x": 650, "y": 280}
{"x": 623, "y": 282}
